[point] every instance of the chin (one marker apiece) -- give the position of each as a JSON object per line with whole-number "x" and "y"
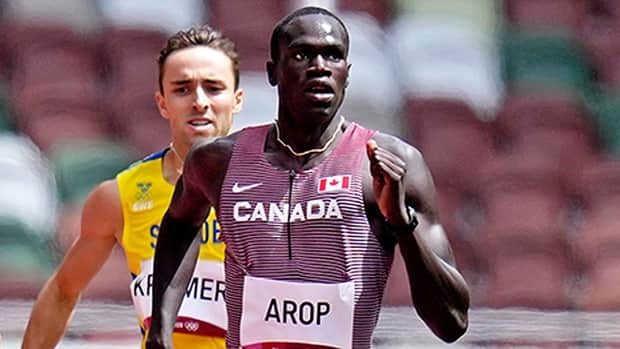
{"x": 325, "y": 113}
{"x": 201, "y": 137}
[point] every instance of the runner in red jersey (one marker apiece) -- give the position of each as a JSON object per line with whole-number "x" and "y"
{"x": 311, "y": 208}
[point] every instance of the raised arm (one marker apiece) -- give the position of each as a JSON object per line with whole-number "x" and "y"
{"x": 177, "y": 245}
{"x": 102, "y": 222}
{"x": 405, "y": 194}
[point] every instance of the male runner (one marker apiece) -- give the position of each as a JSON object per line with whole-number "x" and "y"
{"x": 198, "y": 94}
{"x": 311, "y": 208}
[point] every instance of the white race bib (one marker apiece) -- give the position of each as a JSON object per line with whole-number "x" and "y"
{"x": 282, "y": 314}
{"x": 203, "y": 310}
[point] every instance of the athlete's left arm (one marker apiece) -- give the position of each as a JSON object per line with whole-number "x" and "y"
{"x": 405, "y": 194}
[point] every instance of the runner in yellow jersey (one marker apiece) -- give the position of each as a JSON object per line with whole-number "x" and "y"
{"x": 145, "y": 195}
{"x": 198, "y": 94}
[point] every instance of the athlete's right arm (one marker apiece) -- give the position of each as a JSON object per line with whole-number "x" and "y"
{"x": 102, "y": 221}
{"x": 195, "y": 193}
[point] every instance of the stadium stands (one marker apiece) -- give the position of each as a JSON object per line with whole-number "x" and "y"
{"x": 514, "y": 104}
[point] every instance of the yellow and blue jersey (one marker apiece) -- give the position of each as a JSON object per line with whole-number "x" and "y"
{"x": 145, "y": 195}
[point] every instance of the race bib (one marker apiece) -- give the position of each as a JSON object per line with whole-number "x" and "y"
{"x": 285, "y": 314}
{"x": 203, "y": 311}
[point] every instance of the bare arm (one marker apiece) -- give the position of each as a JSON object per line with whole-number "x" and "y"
{"x": 439, "y": 292}
{"x": 177, "y": 245}
{"x": 170, "y": 274}
{"x": 102, "y": 221}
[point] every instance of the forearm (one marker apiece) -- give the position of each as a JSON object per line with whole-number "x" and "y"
{"x": 438, "y": 290}
{"x": 175, "y": 258}
{"x": 49, "y": 318}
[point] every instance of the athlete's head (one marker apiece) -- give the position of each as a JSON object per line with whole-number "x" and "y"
{"x": 198, "y": 85}
{"x": 281, "y": 27}
{"x": 199, "y": 36}
{"x": 309, "y": 65}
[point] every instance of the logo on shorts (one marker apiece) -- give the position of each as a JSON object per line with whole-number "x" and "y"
{"x": 191, "y": 326}
{"x": 241, "y": 188}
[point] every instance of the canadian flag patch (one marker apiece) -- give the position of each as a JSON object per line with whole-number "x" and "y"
{"x": 334, "y": 183}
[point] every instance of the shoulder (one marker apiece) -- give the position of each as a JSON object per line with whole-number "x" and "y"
{"x": 213, "y": 150}
{"x": 206, "y": 165}
{"x": 106, "y": 193}
{"x": 102, "y": 209}
{"x": 148, "y": 164}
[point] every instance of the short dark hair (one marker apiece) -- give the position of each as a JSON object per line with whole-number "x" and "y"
{"x": 199, "y": 36}
{"x": 279, "y": 29}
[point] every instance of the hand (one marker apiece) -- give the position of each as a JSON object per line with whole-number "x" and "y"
{"x": 151, "y": 344}
{"x": 155, "y": 342}
{"x": 388, "y": 173}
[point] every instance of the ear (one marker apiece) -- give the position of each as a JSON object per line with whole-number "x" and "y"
{"x": 346, "y": 82}
{"x": 271, "y": 73}
{"x": 161, "y": 105}
{"x": 238, "y": 106}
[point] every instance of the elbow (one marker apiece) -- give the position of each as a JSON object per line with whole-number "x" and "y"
{"x": 451, "y": 326}
{"x": 455, "y": 329}
{"x": 455, "y": 319}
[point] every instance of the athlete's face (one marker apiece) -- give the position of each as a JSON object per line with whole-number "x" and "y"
{"x": 311, "y": 69}
{"x": 199, "y": 96}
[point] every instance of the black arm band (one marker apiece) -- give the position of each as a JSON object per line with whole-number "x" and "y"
{"x": 400, "y": 230}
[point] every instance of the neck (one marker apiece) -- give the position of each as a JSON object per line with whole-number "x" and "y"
{"x": 299, "y": 141}
{"x": 180, "y": 149}
{"x": 177, "y": 158}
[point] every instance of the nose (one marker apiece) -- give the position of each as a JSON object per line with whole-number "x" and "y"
{"x": 201, "y": 100}
{"x": 318, "y": 65}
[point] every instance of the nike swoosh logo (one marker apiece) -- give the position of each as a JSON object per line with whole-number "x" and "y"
{"x": 238, "y": 188}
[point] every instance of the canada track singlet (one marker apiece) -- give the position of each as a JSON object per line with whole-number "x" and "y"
{"x": 284, "y": 228}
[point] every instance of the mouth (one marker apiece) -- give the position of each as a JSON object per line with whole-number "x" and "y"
{"x": 199, "y": 124}
{"x": 320, "y": 92}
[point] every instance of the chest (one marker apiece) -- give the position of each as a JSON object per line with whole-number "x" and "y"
{"x": 272, "y": 218}
{"x": 257, "y": 192}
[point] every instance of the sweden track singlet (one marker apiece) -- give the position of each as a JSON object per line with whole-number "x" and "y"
{"x": 145, "y": 196}
{"x": 285, "y": 229}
